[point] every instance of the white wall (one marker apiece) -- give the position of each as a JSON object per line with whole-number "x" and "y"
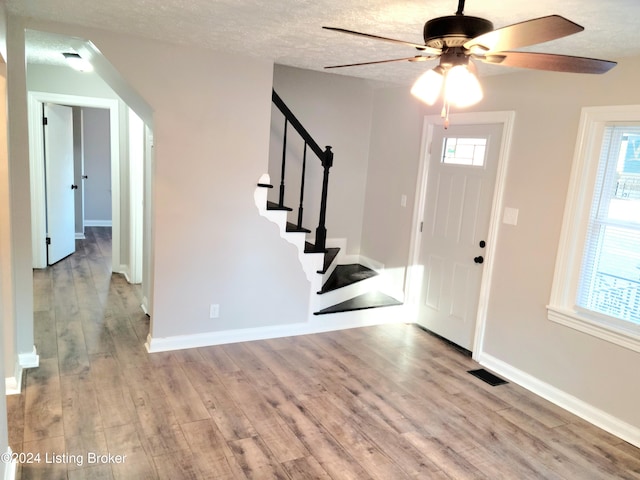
{"x": 97, "y": 166}
{"x": 518, "y": 333}
{"x": 336, "y": 111}
{"x": 6, "y": 265}
{"x": 6, "y": 321}
{"x": 18, "y": 290}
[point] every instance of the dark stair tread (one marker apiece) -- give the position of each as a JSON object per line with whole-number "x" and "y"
{"x": 344, "y": 275}
{"x": 361, "y": 302}
{"x": 292, "y": 227}
{"x": 329, "y": 256}
{"x": 275, "y": 206}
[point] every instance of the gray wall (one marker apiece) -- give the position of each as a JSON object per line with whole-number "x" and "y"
{"x": 211, "y": 123}
{"x": 77, "y": 169}
{"x": 518, "y": 333}
{"x": 336, "y": 110}
{"x": 211, "y": 128}
{"x": 97, "y": 166}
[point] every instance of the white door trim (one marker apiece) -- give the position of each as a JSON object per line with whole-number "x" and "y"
{"x": 414, "y": 273}
{"x": 36, "y": 165}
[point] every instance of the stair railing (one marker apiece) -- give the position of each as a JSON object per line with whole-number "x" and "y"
{"x": 326, "y": 158}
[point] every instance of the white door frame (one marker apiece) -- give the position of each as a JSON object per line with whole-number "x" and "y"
{"x": 415, "y": 272}
{"x": 36, "y": 165}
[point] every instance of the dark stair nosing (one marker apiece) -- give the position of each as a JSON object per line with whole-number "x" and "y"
{"x": 345, "y": 275}
{"x": 329, "y": 257}
{"x": 292, "y": 227}
{"x": 311, "y": 248}
{"x": 275, "y": 206}
{"x": 361, "y": 302}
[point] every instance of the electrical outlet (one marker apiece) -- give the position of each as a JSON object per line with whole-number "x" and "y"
{"x": 214, "y": 310}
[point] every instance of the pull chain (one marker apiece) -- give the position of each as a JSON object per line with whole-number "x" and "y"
{"x": 445, "y": 114}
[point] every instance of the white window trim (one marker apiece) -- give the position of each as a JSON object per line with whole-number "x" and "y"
{"x": 562, "y": 305}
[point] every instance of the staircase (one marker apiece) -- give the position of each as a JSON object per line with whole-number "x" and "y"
{"x": 341, "y": 286}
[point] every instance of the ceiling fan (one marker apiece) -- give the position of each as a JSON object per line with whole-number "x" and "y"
{"x": 456, "y": 39}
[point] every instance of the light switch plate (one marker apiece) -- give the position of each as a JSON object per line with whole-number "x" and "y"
{"x": 510, "y": 216}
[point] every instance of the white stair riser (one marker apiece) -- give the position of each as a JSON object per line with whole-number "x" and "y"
{"x": 350, "y": 291}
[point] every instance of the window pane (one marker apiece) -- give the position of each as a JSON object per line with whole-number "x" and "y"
{"x": 610, "y": 275}
{"x": 464, "y": 151}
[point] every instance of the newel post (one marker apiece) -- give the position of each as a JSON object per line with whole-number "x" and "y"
{"x": 321, "y": 231}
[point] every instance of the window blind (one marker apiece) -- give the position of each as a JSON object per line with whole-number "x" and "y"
{"x": 610, "y": 272}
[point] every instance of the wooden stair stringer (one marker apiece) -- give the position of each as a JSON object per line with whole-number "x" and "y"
{"x": 311, "y": 262}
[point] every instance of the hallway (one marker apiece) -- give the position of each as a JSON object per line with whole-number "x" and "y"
{"x": 86, "y": 322}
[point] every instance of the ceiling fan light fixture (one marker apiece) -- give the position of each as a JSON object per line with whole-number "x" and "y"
{"x": 76, "y": 62}
{"x": 461, "y": 87}
{"x": 428, "y": 86}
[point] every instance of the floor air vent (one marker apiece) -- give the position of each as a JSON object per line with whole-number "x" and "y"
{"x": 487, "y": 377}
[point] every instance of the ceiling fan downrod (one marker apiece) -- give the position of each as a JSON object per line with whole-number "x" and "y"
{"x": 460, "y": 10}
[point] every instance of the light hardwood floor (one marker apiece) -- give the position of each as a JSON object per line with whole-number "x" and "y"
{"x": 390, "y": 402}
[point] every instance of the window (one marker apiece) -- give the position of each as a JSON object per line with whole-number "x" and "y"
{"x": 610, "y": 271}
{"x": 464, "y": 151}
{"x": 597, "y": 280}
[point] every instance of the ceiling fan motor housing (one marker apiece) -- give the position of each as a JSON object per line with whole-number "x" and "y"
{"x": 454, "y": 30}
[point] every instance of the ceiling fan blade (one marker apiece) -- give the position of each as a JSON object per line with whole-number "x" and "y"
{"x": 422, "y": 47}
{"x": 523, "y": 34}
{"x": 417, "y": 58}
{"x": 548, "y": 61}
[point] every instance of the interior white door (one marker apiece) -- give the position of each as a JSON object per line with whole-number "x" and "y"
{"x": 459, "y": 195}
{"x": 59, "y": 180}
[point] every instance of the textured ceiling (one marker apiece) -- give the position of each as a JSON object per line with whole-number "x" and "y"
{"x": 289, "y": 31}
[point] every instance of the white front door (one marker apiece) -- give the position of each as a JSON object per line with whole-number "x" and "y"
{"x": 59, "y": 179}
{"x": 459, "y": 195}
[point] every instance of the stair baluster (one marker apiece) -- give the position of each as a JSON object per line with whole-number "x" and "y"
{"x": 304, "y": 169}
{"x": 326, "y": 158}
{"x": 284, "y": 162}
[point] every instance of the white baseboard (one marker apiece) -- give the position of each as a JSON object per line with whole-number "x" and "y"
{"x": 9, "y": 472}
{"x": 124, "y": 271}
{"x": 319, "y": 324}
{"x": 80, "y": 236}
{"x": 578, "y": 407}
{"x": 13, "y": 385}
{"x": 370, "y": 263}
{"x": 29, "y": 360}
{"x": 97, "y": 223}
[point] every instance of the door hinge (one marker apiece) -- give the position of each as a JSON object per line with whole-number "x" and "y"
{"x": 48, "y": 240}
{"x": 421, "y": 225}
{"x": 44, "y": 121}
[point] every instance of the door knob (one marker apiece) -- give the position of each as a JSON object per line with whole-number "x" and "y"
{"x": 478, "y": 259}
{"x": 482, "y": 244}
{"x": 74, "y": 187}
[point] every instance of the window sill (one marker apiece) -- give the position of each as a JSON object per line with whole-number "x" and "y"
{"x": 600, "y": 328}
